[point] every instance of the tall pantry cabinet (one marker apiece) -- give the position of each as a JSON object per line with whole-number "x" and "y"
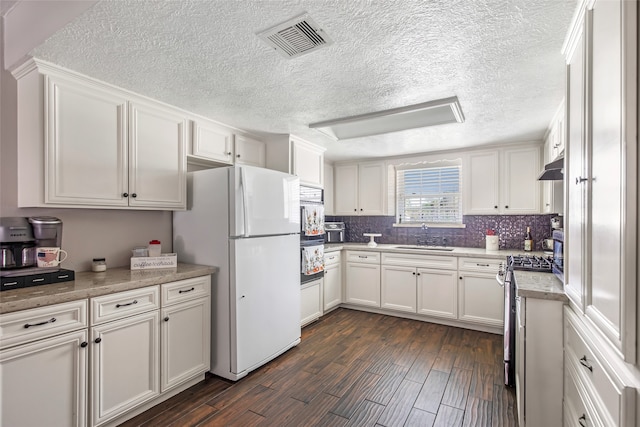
{"x": 601, "y": 187}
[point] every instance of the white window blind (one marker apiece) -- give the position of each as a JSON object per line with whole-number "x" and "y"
{"x": 430, "y": 195}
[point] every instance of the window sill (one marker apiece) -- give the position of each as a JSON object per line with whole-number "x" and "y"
{"x": 431, "y": 225}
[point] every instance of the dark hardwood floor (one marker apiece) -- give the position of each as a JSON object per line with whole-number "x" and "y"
{"x": 355, "y": 368}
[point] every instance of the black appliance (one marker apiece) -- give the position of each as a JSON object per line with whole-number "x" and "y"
{"x": 516, "y": 262}
{"x": 558, "y": 254}
{"x": 312, "y": 244}
{"x": 334, "y": 232}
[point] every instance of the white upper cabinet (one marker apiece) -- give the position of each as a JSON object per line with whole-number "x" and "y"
{"x": 157, "y": 157}
{"x": 249, "y": 151}
{"x": 83, "y": 143}
{"x": 360, "y": 189}
{"x": 502, "y": 181}
{"x": 602, "y": 173}
{"x": 210, "y": 141}
{"x": 329, "y": 206}
{"x": 307, "y": 162}
{"x": 213, "y": 144}
{"x": 86, "y": 145}
{"x": 290, "y": 154}
{"x": 554, "y": 145}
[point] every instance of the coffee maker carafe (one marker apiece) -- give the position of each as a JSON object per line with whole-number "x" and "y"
{"x": 17, "y": 243}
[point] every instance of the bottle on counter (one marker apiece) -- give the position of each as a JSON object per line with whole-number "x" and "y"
{"x": 528, "y": 240}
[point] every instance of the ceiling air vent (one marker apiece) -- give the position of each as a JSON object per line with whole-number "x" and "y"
{"x": 296, "y": 37}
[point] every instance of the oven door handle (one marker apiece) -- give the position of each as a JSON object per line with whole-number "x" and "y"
{"x": 500, "y": 279}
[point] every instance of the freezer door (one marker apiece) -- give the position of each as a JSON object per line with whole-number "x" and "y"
{"x": 263, "y": 202}
{"x": 265, "y": 299}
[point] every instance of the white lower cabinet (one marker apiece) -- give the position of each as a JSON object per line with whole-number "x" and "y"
{"x": 43, "y": 366}
{"x": 125, "y": 356}
{"x": 480, "y": 297}
{"x": 44, "y": 383}
{"x": 310, "y": 302}
{"x": 363, "y": 278}
{"x": 398, "y": 288}
{"x": 539, "y": 362}
{"x": 332, "y": 280}
{"x": 437, "y": 293}
{"x": 125, "y": 368}
{"x": 185, "y": 331}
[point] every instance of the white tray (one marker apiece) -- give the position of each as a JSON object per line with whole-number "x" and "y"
{"x": 154, "y": 262}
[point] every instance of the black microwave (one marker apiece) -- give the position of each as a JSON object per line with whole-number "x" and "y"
{"x": 558, "y": 253}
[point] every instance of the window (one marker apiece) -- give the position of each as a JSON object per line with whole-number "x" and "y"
{"x": 429, "y": 195}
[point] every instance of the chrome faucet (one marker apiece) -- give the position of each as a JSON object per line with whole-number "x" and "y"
{"x": 422, "y": 239}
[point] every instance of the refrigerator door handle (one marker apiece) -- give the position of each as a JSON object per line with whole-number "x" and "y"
{"x": 245, "y": 201}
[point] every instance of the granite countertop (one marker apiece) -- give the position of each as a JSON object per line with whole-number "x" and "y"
{"x": 88, "y": 284}
{"x": 457, "y": 251}
{"x": 539, "y": 285}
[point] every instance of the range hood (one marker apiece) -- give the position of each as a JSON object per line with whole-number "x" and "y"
{"x": 553, "y": 171}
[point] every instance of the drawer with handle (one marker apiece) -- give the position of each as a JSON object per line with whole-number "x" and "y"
{"x": 331, "y": 258}
{"x": 612, "y": 398}
{"x": 185, "y": 290}
{"x": 578, "y": 409}
{"x": 123, "y": 304}
{"x": 37, "y": 323}
{"x": 364, "y": 257}
{"x": 487, "y": 265}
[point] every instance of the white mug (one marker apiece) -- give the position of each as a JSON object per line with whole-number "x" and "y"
{"x": 49, "y": 257}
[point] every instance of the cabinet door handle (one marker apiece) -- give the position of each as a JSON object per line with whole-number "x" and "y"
{"x": 125, "y": 194}
{"x": 238, "y": 156}
{"x": 166, "y": 319}
{"x": 363, "y": 256}
{"x": 506, "y": 207}
{"x": 28, "y": 325}
{"x": 417, "y": 274}
{"x": 583, "y": 420}
{"x": 583, "y": 362}
{"x": 97, "y": 340}
{"x": 185, "y": 291}
{"x": 228, "y": 153}
{"x": 495, "y": 207}
{"x": 482, "y": 265}
{"x": 134, "y": 195}
{"x": 580, "y": 180}
{"x": 84, "y": 344}
{"x": 135, "y": 301}
{"x": 414, "y": 273}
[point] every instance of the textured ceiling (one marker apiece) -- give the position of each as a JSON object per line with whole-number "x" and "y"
{"x": 501, "y": 58}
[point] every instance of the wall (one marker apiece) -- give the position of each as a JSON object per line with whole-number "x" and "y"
{"x": 87, "y": 233}
{"x": 510, "y": 228}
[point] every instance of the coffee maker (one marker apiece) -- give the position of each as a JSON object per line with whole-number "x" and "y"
{"x": 17, "y": 243}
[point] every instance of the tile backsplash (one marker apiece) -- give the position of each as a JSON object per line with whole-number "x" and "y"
{"x": 510, "y": 228}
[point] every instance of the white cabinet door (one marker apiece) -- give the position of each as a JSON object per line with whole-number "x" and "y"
{"x": 346, "y": 189}
{"x": 211, "y": 142}
{"x": 481, "y": 299}
{"x": 482, "y": 183}
{"x": 329, "y": 207}
{"x": 574, "y": 248}
{"x": 249, "y": 151}
{"x": 363, "y": 284}
{"x": 157, "y": 157}
{"x": 520, "y": 188}
{"x": 398, "y": 288}
{"x": 437, "y": 293}
{"x": 86, "y": 145}
{"x": 185, "y": 345}
{"x": 125, "y": 366}
{"x": 307, "y": 162}
{"x": 311, "y": 302}
{"x": 45, "y": 383}
{"x": 371, "y": 188}
{"x": 610, "y": 303}
{"x": 332, "y": 285}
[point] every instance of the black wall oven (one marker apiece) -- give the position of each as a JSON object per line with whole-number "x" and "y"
{"x": 312, "y": 233}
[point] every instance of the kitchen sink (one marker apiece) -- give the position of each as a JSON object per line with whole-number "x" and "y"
{"x": 425, "y": 248}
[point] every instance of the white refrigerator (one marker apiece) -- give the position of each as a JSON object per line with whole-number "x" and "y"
{"x": 245, "y": 221}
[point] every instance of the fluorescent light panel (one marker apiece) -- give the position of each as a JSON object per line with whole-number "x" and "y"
{"x": 421, "y": 115}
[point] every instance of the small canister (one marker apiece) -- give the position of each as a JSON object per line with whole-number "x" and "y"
{"x": 98, "y": 265}
{"x": 155, "y": 248}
